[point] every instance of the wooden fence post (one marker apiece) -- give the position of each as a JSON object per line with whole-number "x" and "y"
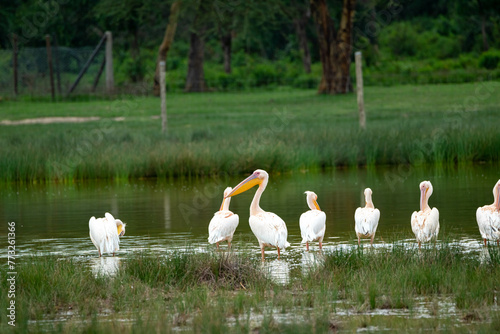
{"x": 14, "y": 61}
{"x": 49, "y": 62}
{"x": 163, "y": 95}
{"x": 56, "y": 62}
{"x": 359, "y": 90}
{"x": 110, "y": 81}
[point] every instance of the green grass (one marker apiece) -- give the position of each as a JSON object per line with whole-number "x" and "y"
{"x": 394, "y": 278}
{"x": 220, "y": 292}
{"x": 282, "y": 130}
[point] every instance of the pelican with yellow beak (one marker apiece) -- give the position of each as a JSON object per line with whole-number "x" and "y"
{"x": 223, "y": 223}
{"x": 313, "y": 222}
{"x": 488, "y": 218}
{"x": 105, "y": 233}
{"x": 425, "y": 223}
{"x": 269, "y": 229}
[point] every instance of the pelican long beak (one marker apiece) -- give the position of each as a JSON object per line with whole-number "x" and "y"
{"x": 316, "y": 205}
{"x": 423, "y": 193}
{"x": 222, "y": 205}
{"x": 244, "y": 185}
{"x": 498, "y": 198}
{"x": 121, "y": 232}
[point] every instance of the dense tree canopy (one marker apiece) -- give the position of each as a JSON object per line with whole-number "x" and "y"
{"x": 237, "y": 32}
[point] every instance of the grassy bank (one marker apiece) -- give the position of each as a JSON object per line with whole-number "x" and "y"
{"x": 278, "y": 131}
{"x": 349, "y": 290}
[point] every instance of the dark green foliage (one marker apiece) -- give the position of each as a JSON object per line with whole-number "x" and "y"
{"x": 395, "y": 38}
{"x": 490, "y": 59}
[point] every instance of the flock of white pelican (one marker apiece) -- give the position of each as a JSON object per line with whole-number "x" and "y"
{"x": 271, "y": 231}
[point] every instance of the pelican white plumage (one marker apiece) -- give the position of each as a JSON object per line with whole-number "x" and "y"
{"x": 105, "y": 233}
{"x": 268, "y": 227}
{"x": 223, "y": 223}
{"x": 425, "y": 223}
{"x": 313, "y": 222}
{"x": 488, "y": 218}
{"x": 366, "y": 219}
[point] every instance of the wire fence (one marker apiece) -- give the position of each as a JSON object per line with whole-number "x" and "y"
{"x": 67, "y": 62}
{"x": 34, "y": 76}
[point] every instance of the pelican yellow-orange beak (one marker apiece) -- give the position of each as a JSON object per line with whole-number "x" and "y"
{"x": 498, "y": 198}
{"x": 244, "y": 185}
{"x": 121, "y": 232}
{"x": 316, "y": 205}
{"x": 222, "y": 205}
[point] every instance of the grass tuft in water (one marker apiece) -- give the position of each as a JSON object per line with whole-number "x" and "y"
{"x": 185, "y": 270}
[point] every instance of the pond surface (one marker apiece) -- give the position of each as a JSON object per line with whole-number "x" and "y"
{"x": 166, "y": 216}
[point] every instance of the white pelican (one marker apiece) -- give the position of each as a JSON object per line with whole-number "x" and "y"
{"x": 425, "y": 223}
{"x": 313, "y": 222}
{"x": 366, "y": 219}
{"x": 488, "y": 217}
{"x": 269, "y": 229}
{"x": 223, "y": 223}
{"x": 105, "y": 233}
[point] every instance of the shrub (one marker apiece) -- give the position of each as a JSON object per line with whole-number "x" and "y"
{"x": 306, "y": 81}
{"x": 401, "y": 39}
{"x": 489, "y": 59}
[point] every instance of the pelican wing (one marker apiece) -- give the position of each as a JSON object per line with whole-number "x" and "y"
{"x": 269, "y": 229}
{"x": 109, "y": 217}
{"x": 312, "y": 225}
{"x": 366, "y": 221}
{"x": 425, "y": 225}
{"x": 488, "y": 221}
{"x": 222, "y": 226}
{"x": 482, "y": 222}
{"x": 96, "y": 230}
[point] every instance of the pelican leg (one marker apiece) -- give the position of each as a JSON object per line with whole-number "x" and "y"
{"x": 320, "y": 245}
{"x": 229, "y": 244}
{"x": 262, "y": 252}
{"x": 371, "y": 241}
{"x": 278, "y": 253}
{"x": 99, "y": 253}
{"x": 419, "y": 245}
{"x": 217, "y": 245}
{"x": 485, "y": 242}
{"x": 307, "y": 246}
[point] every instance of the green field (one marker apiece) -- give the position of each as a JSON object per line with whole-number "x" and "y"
{"x": 281, "y": 130}
{"x": 384, "y": 289}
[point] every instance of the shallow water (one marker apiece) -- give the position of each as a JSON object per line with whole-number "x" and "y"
{"x": 165, "y": 216}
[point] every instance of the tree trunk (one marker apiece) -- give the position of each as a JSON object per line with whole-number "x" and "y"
{"x": 483, "y": 32}
{"x": 134, "y": 53}
{"x": 334, "y": 47}
{"x": 226, "y": 41}
{"x": 483, "y": 25}
{"x": 195, "y": 81}
{"x": 168, "y": 38}
{"x": 300, "y": 28}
